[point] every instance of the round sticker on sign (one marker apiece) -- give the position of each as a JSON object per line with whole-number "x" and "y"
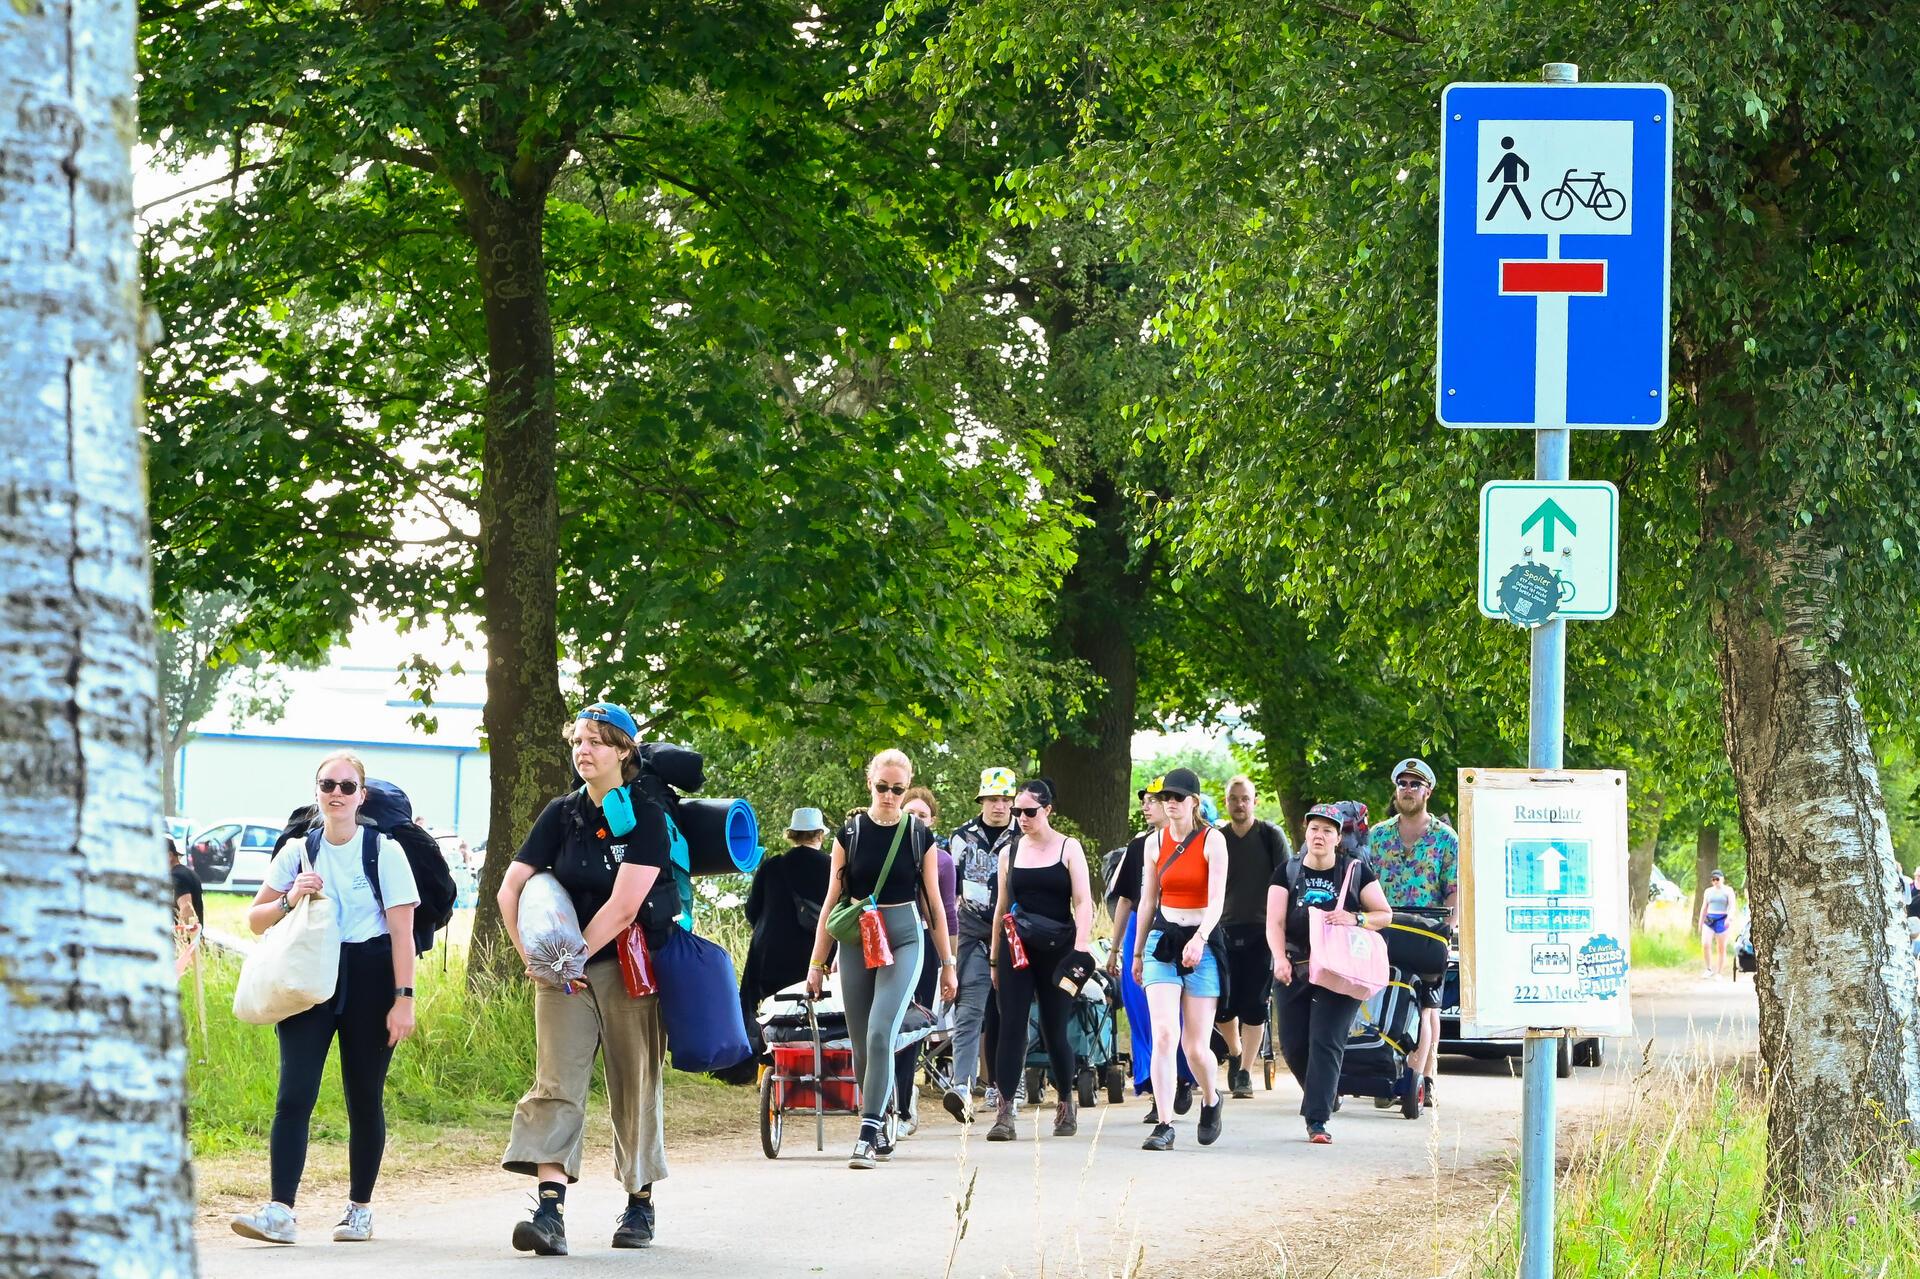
{"x": 1602, "y": 967}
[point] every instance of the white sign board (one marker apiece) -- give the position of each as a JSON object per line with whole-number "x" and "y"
{"x": 1569, "y": 527}
{"x": 1544, "y": 910}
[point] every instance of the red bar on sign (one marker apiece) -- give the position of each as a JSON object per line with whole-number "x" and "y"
{"x": 1553, "y": 277}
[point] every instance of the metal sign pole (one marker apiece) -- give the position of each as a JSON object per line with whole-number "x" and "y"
{"x": 1546, "y": 737}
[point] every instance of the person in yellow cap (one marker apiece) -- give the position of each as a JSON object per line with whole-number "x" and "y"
{"x": 976, "y": 849}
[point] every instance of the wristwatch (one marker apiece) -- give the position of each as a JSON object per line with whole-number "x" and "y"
{"x": 948, "y": 961}
{"x": 403, "y": 992}
{"x": 286, "y": 904}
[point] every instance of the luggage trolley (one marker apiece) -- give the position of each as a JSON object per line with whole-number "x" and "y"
{"x": 812, "y": 1069}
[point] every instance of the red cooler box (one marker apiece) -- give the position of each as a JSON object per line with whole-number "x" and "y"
{"x": 794, "y": 1090}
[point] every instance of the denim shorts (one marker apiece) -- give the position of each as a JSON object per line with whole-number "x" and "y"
{"x": 1202, "y": 983}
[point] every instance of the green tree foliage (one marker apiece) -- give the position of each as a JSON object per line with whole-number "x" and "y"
{"x": 509, "y": 296}
{"x": 1276, "y": 162}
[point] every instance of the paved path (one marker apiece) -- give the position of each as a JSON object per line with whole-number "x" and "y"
{"x": 1077, "y": 1206}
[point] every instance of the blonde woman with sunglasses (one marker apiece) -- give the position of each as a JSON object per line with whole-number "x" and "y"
{"x": 371, "y": 1010}
{"x": 876, "y": 999}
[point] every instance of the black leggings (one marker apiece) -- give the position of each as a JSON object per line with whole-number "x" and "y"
{"x": 906, "y": 1062}
{"x": 358, "y": 1012}
{"x": 1314, "y": 1022}
{"x": 1019, "y": 988}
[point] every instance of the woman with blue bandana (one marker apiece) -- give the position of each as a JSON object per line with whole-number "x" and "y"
{"x": 606, "y": 844}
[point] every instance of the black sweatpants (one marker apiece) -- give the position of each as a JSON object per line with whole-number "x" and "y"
{"x": 358, "y": 1013}
{"x": 1314, "y": 1022}
{"x": 1019, "y": 988}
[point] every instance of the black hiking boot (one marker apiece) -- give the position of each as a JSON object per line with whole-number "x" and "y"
{"x": 545, "y": 1234}
{"x": 635, "y": 1227}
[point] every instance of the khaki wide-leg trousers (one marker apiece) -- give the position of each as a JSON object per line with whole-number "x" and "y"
{"x": 549, "y": 1124}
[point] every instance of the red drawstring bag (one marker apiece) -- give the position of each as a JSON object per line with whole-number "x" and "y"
{"x": 874, "y": 946}
{"x": 636, "y": 962}
{"x": 1016, "y": 949}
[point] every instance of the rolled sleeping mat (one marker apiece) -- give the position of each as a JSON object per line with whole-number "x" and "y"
{"x": 1417, "y": 943}
{"x": 723, "y": 835}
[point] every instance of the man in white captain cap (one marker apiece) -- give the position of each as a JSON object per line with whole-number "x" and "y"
{"x": 976, "y": 862}
{"x": 1417, "y": 857}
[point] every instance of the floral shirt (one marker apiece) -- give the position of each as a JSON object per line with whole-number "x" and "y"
{"x": 1417, "y": 878}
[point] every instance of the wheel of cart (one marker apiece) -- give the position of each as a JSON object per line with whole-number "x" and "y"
{"x": 771, "y": 1116}
{"x": 1117, "y": 1077}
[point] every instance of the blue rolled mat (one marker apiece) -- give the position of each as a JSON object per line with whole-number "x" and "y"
{"x": 723, "y": 835}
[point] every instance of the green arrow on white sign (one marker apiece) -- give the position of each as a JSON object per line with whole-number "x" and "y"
{"x": 1549, "y": 549}
{"x": 1548, "y": 514}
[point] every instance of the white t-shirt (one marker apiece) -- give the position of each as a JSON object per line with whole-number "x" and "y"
{"x": 346, "y": 885}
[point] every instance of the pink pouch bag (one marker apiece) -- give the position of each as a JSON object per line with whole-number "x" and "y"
{"x": 1345, "y": 958}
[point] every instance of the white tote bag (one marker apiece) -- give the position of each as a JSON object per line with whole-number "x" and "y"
{"x": 295, "y": 965}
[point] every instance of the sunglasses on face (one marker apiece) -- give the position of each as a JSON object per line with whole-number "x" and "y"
{"x": 882, "y": 788}
{"x": 1412, "y": 783}
{"x": 328, "y": 786}
{"x": 1021, "y": 810}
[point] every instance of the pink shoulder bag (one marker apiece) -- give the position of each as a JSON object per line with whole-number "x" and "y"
{"x": 1345, "y": 958}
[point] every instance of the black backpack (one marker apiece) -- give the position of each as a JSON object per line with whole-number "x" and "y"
{"x": 389, "y": 812}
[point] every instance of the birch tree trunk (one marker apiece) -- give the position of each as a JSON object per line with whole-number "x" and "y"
{"x": 1836, "y": 980}
{"x": 93, "y": 1153}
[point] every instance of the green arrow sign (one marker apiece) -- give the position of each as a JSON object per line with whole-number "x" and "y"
{"x": 1548, "y": 515}
{"x": 1549, "y": 549}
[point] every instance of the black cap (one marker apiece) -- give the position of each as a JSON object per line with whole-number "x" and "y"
{"x": 1180, "y": 783}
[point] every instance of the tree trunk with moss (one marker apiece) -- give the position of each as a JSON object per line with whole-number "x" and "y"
{"x": 519, "y": 537}
{"x": 1091, "y": 764}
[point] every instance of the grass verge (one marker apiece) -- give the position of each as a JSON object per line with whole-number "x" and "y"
{"x": 1673, "y": 1184}
{"x": 1664, "y": 949}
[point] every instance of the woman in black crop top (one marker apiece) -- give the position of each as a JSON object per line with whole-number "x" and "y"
{"x": 876, "y": 999}
{"x": 1044, "y": 884}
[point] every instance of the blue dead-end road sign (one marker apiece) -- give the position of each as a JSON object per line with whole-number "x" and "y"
{"x": 1555, "y": 222}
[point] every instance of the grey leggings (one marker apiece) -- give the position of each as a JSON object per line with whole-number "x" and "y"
{"x": 876, "y": 1001}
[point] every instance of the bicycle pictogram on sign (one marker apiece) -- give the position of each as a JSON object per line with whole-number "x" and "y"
{"x": 1559, "y": 203}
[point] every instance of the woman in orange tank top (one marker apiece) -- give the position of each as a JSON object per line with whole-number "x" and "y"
{"x": 1182, "y": 891}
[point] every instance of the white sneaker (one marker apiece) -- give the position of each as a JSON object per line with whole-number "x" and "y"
{"x": 356, "y": 1226}
{"x": 270, "y": 1223}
